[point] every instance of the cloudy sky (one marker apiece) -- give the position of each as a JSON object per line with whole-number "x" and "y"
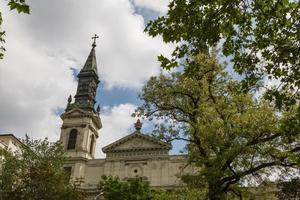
{"x": 48, "y": 47}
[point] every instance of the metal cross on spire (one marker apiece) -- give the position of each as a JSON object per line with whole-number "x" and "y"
{"x": 94, "y": 38}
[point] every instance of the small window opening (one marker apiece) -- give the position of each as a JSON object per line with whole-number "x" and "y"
{"x": 92, "y": 144}
{"x": 72, "y": 139}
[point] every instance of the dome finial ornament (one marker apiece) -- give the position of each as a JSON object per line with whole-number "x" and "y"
{"x": 138, "y": 125}
{"x": 70, "y": 99}
{"x": 98, "y": 109}
{"x": 94, "y": 38}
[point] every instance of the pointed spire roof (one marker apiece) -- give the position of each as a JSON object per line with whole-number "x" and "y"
{"x": 90, "y": 63}
{"x": 88, "y": 80}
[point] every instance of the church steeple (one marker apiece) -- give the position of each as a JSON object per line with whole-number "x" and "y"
{"x": 81, "y": 119}
{"x": 88, "y": 80}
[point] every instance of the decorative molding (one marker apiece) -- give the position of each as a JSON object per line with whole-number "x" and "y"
{"x": 77, "y": 116}
{"x": 140, "y": 154}
{"x": 71, "y": 160}
{"x": 93, "y": 130}
{"x": 137, "y": 149}
{"x": 73, "y": 126}
{"x": 141, "y": 161}
{"x": 96, "y": 119}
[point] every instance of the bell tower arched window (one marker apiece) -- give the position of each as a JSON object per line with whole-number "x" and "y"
{"x": 92, "y": 144}
{"x": 72, "y": 139}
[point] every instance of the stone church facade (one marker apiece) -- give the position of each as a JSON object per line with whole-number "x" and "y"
{"x": 136, "y": 154}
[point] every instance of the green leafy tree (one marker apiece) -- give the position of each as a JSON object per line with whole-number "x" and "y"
{"x": 22, "y": 7}
{"x": 289, "y": 190}
{"x": 231, "y": 137}
{"x": 260, "y": 38}
{"x": 132, "y": 189}
{"x": 36, "y": 173}
{"x": 180, "y": 194}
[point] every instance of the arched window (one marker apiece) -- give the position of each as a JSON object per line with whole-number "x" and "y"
{"x": 72, "y": 139}
{"x": 92, "y": 144}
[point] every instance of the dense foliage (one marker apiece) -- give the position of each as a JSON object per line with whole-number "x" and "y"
{"x": 19, "y": 5}
{"x": 180, "y": 194}
{"x": 36, "y": 173}
{"x": 232, "y": 138}
{"x": 261, "y": 39}
{"x": 113, "y": 188}
{"x": 289, "y": 190}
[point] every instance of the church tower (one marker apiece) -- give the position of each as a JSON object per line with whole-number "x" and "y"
{"x": 81, "y": 121}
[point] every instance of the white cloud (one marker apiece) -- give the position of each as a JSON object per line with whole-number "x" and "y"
{"x": 117, "y": 123}
{"x": 157, "y": 5}
{"x": 31, "y": 91}
{"x": 35, "y": 75}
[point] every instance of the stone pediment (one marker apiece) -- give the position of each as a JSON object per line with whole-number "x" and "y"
{"x": 79, "y": 113}
{"x": 136, "y": 141}
{"x": 74, "y": 112}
